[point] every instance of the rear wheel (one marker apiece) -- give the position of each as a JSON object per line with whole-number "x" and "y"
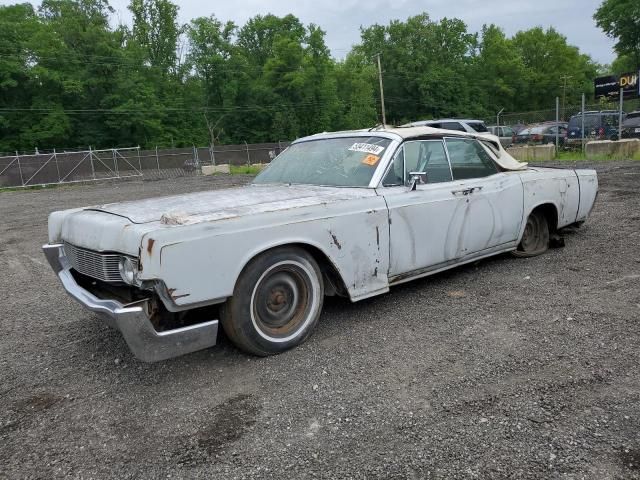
{"x": 276, "y": 302}
{"x": 535, "y": 239}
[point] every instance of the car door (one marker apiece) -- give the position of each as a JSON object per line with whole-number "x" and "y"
{"x": 423, "y": 223}
{"x": 492, "y": 208}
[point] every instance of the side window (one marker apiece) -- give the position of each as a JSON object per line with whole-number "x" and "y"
{"x": 508, "y": 132}
{"x": 469, "y": 159}
{"x": 395, "y": 175}
{"x": 433, "y": 161}
{"x": 452, "y": 126}
{"x": 426, "y": 156}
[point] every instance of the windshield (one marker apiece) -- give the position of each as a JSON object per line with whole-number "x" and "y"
{"x": 338, "y": 162}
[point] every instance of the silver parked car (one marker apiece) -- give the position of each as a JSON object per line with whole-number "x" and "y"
{"x": 505, "y": 134}
{"x": 346, "y": 213}
{"x": 458, "y": 125}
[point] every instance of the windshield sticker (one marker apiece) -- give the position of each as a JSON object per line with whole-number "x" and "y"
{"x": 367, "y": 148}
{"x": 371, "y": 160}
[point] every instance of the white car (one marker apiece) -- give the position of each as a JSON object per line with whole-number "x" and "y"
{"x": 347, "y": 213}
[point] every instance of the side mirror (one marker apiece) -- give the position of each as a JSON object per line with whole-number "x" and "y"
{"x": 416, "y": 178}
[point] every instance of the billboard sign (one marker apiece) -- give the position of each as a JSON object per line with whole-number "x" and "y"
{"x": 609, "y": 86}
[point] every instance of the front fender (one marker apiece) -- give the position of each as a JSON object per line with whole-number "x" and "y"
{"x": 201, "y": 263}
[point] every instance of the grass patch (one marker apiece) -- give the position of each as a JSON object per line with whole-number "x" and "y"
{"x": 244, "y": 170}
{"x": 578, "y": 155}
{"x": 32, "y": 187}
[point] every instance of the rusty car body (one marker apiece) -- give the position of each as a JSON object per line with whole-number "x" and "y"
{"x": 412, "y": 202}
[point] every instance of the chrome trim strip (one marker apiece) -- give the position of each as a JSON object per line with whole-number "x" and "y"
{"x": 143, "y": 340}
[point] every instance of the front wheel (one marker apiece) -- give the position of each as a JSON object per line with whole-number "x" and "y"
{"x": 276, "y": 302}
{"x": 535, "y": 239}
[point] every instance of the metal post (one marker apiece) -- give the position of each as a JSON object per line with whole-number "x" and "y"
{"x": 384, "y": 116}
{"x": 248, "y": 157}
{"x": 139, "y": 160}
{"x": 620, "y": 114}
{"x": 557, "y": 124}
{"x": 93, "y": 170}
{"x": 157, "y": 159}
{"x": 19, "y": 169}
{"x": 55, "y": 158}
{"x": 115, "y": 162}
{"x": 498, "y": 117}
{"x": 582, "y": 126}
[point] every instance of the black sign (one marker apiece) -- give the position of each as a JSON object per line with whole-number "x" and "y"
{"x": 629, "y": 82}
{"x": 609, "y": 87}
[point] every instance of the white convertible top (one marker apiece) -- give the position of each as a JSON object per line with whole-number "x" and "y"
{"x": 503, "y": 158}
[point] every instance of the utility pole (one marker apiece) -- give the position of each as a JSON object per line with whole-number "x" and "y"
{"x": 384, "y": 117}
{"x": 564, "y": 93}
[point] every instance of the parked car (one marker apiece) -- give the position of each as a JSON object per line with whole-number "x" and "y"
{"x": 542, "y": 134}
{"x": 346, "y": 213}
{"x": 598, "y": 125}
{"x": 505, "y": 134}
{"x": 631, "y": 125}
{"x": 459, "y": 125}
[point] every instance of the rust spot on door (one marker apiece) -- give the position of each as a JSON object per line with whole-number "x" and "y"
{"x": 150, "y": 245}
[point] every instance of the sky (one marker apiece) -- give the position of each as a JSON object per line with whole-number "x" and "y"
{"x": 341, "y": 19}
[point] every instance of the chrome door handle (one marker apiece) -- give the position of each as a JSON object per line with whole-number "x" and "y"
{"x": 466, "y": 191}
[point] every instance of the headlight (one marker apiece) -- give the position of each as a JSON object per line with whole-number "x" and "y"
{"x": 128, "y": 270}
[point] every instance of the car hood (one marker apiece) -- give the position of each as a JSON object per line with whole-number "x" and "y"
{"x": 222, "y": 204}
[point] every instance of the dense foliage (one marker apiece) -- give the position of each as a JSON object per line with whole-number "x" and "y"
{"x": 68, "y": 78}
{"x": 620, "y": 19}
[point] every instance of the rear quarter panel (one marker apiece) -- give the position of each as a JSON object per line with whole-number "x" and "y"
{"x": 555, "y": 186}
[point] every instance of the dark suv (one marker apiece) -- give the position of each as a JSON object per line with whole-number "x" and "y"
{"x": 598, "y": 125}
{"x": 631, "y": 125}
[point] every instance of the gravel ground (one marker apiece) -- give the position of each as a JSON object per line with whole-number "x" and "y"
{"x": 518, "y": 368}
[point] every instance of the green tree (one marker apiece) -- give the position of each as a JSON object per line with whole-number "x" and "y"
{"x": 547, "y": 58}
{"x": 156, "y": 29}
{"x": 499, "y": 70}
{"x": 620, "y": 19}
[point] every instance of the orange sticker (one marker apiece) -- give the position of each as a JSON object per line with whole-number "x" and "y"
{"x": 371, "y": 160}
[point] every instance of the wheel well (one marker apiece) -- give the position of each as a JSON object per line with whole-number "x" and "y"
{"x": 333, "y": 282}
{"x": 550, "y": 213}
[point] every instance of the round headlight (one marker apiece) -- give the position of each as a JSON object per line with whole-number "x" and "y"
{"x": 128, "y": 270}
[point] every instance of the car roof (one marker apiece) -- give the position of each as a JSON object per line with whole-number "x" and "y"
{"x": 393, "y": 133}
{"x": 505, "y": 160}
{"x": 440, "y": 120}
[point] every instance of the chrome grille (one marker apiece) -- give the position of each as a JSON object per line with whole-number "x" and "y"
{"x": 102, "y": 266}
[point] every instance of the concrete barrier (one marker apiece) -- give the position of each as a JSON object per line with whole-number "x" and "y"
{"x": 211, "y": 169}
{"x": 620, "y": 149}
{"x": 533, "y": 153}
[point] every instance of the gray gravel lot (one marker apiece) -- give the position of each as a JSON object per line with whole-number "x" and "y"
{"x": 510, "y": 368}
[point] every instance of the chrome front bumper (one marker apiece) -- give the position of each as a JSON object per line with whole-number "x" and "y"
{"x": 132, "y": 320}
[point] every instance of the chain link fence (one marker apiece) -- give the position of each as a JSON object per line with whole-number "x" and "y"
{"x": 601, "y": 120}
{"x": 40, "y": 168}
